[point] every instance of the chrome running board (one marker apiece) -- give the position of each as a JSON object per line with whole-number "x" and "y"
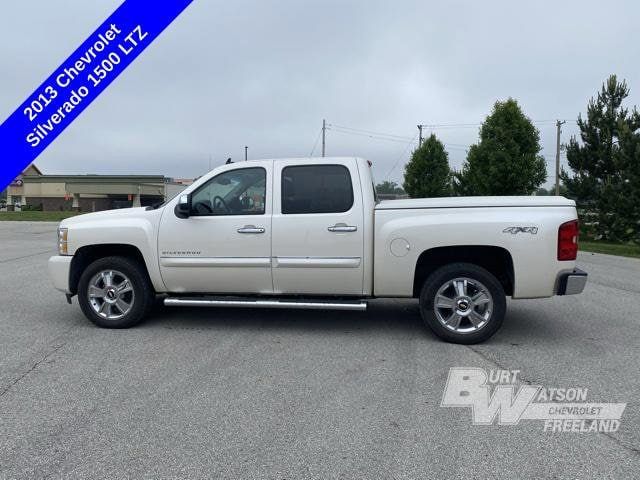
{"x": 357, "y": 305}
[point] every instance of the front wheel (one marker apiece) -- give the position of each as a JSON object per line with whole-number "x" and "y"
{"x": 114, "y": 292}
{"x": 462, "y": 303}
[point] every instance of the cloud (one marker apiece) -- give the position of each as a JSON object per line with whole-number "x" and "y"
{"x": 265, "y": 74}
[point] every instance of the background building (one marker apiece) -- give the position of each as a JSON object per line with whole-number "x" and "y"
{"x": 13, "y": 193}
{"x": 87, "y": 193}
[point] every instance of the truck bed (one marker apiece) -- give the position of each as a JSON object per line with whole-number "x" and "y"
{"x": 526, "y": 228}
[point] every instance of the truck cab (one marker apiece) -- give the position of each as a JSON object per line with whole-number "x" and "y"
{"x": 270, "y": 227}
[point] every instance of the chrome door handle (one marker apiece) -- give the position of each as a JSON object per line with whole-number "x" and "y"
{"x": 251, "y": 229}
{"x": 342, "y": 227}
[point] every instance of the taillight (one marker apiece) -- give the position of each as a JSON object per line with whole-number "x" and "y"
{"x": 568, "y": 240}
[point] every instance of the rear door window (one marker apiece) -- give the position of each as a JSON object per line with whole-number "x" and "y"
{"x": 316, "y": 189}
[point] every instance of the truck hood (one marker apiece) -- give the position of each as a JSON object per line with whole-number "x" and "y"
{"x": 135, "y": 212}
{"x": 475, "y": 202}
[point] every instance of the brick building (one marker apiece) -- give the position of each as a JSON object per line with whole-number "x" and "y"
{"x": 87, "y": 193}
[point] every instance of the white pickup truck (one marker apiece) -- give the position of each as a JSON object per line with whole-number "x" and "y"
{"x": 310, "y": 233}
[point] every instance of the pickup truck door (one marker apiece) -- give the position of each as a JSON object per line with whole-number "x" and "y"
{"x": 317, "y": 224}
{"x": 224, "y": 246}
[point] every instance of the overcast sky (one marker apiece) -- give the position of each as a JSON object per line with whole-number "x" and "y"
{"x": 265, "y": 74}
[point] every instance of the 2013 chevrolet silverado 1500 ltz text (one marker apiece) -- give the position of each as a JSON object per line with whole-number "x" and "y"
{"x": 310, "y": 233}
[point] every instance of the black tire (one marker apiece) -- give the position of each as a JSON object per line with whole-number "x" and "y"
{"x": 495, "y": 313}
{"x": 142, "y": 293}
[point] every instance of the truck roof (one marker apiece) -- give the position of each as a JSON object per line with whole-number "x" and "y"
{"x": 305, "y": 159}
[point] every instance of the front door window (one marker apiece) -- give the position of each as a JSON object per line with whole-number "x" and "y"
{"x": 236, "y": 192}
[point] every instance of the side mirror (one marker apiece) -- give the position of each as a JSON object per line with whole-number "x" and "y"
{"x": 183, "y": 207}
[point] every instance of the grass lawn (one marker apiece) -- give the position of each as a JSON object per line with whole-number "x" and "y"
{"x": 624, "y": 250}
{"x": 36, "y": 216}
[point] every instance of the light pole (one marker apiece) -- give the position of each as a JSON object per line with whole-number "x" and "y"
{"x": 558, "y": 130}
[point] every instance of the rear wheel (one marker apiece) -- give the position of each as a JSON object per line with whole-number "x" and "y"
{"x": 114, "y": 292}
{"x": 462, "y": 303}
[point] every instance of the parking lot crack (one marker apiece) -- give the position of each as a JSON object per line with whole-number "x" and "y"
{"x": 7, "y": 260}
{"x": 625, "y": 445}
{"x": 33, "y": 367}
{"x": 622, "y": 443}
{"x": 495, "y": 362}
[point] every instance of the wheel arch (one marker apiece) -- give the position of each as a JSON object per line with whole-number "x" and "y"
{"x": 88, "y": 254}
{"x": 496, "y": 260}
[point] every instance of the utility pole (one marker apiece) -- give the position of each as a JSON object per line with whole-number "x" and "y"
{"x": 420, "y": 138}
{"x": 558, "y": 130}
{"x": 245, "y": 152}
{"x": 324, "y": 133}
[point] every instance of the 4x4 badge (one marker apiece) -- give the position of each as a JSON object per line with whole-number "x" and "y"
{"x": 514, "y": 230}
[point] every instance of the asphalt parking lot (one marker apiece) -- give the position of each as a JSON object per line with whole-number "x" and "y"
{"x": 221, "y": 393}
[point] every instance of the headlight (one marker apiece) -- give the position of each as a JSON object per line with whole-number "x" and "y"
{"x": 62, "y": 240}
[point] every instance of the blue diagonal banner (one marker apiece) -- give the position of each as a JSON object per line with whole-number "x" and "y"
{"x": 80, "y": 79}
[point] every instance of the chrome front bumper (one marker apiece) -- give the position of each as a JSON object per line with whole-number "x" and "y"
{"x": 572, "y": 283}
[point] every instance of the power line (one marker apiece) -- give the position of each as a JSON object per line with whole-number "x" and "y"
{"x": 451, "y": 146}
{"x": 409, "y": 141}
{"x": 456, "y": 145}
{"x": 362, "y": 130}
{"x": 324, "y": 136}
{"x": 478, "y": 124}
{"x": 402, "y": 139}
{"x": 316, "y": 143}
{"x": 401, "y": 156}
{"x": 377, "y": 137}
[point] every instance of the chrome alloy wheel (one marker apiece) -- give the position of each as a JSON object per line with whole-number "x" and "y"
{"x": 110, "y": 294}
{"x": 463, "y": 305}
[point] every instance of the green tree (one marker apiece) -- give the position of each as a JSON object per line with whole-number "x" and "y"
{"x": 389, "y": 188}
{"x": 506, "y": 160}
{"x": 605, "y": 164}
{"x": 427, "y": 174}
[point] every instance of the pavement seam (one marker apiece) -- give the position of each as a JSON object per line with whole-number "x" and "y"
{"x": 621, "y": 442}
{"x": 51, "y": 352}
{"x": 629, "y": 447}
{"x": 27, "y": 256}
